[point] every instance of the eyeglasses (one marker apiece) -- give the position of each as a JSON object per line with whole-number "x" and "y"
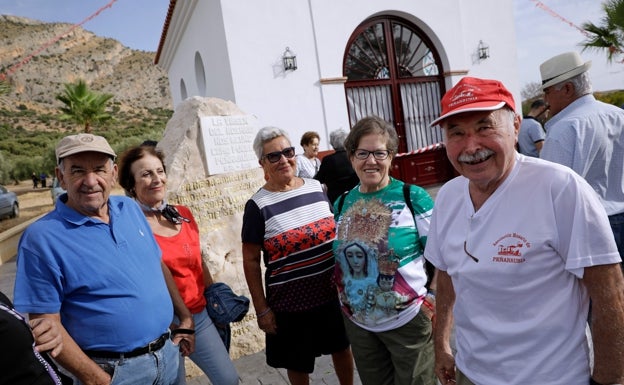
{"x": 274, "y": 157}
{"x": 377, "y": 154}
{"x": 470, "y": 255}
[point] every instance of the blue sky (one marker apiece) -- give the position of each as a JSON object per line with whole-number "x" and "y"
{"x": 138, "y": 24}
{"x": 135, "y": 23}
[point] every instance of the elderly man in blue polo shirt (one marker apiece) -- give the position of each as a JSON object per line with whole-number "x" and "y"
{"x": 93, "y": 264}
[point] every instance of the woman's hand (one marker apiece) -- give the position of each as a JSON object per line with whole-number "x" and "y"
{"x": 184, "y": 338}
{"x": 266, "y": 321}
{"x": 428, "y": 306}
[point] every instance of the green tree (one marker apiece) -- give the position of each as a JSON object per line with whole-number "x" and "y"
{"x": 84, "y": 106}
{"x": 609, "y": 35}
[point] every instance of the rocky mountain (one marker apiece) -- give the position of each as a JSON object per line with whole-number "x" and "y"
{"x": 37, "y": 66}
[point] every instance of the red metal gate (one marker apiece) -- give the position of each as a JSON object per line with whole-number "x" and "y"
{"x": 394, "y": 72}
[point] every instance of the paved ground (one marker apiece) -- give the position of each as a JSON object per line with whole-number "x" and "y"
{"x": 252, "y": 369}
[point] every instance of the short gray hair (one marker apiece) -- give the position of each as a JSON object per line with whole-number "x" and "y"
{"x": 337, "y": 139}
{"x": 581, "y": 83}
{"x": 266, "y": 134}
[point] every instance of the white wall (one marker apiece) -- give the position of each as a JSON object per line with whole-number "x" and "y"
{"x": 290, "y": 100}
{"x": 242, "y": 41}
{"x": 198, "y": 28}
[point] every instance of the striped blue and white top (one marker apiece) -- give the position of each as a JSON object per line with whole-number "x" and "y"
{"x": 296, "y": 230}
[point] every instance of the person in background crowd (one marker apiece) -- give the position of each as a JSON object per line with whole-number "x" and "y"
{"x": 336, "y": 172}
{"x": 585, "y": 134}
{"x": 43, "y": 178}
{"x": 380, "y": 269}
{"x": 93, "y": 264}
{"x": 517, "y": 285}
{"x": 532, "y": 134}
{"x": 289, "y": 224}
{"x": 142, "y": 174}
{"x": 307, "y": 163}
{"x": 27, "y": 345}
{"x": 35, "y": 180}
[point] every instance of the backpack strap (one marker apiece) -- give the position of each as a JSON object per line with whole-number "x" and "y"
{"x": 407, "y": 198}
{"x": 341, "y": 202}
{"x": 429, "y": 268}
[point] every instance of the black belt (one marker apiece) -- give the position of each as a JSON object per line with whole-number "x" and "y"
{"x": 153, "y": 346}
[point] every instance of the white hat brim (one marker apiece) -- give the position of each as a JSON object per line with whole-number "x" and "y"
{"x": 567, "y": 75}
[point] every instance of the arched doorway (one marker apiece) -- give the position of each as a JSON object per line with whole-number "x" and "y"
{"x": 393, "y": 71}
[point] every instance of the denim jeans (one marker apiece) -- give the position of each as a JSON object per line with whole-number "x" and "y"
{"x": 210, "y": 353}
{"x": 157, "y": 368}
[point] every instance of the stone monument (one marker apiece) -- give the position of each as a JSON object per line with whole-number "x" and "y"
{"x": 212, "y": 169}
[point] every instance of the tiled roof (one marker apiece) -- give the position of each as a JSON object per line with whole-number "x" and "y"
{"x": 163, "y": 36}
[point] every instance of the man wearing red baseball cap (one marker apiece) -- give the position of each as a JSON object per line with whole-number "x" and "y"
{"x": 521, "y": 245}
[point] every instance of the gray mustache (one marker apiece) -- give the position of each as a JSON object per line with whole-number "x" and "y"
{"x": 476, "y": 157}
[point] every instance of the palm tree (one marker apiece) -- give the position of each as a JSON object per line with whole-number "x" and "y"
{"x": 609, "y": 36}
{"x": 84, "y": 106}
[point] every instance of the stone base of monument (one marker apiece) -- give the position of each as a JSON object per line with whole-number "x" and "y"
{"x": 192, "y": 370}
{"x": 212, "y": 169}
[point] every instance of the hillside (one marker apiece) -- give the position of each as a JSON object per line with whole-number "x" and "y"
{"x": 104, "y": 63}
{"x": 30, "y": 121}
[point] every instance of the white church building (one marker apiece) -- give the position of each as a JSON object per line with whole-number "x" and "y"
{"x": 320, "y": 65}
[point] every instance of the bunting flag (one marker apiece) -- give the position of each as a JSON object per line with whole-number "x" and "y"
{"x": 543, "y": 6}
{"x": 422, "y": 149}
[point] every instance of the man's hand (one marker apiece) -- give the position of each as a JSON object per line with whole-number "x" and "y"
{"x": 445, "y": 368}
{"x": 47, "y": 335}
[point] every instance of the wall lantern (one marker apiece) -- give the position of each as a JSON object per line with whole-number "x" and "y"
{"x": 483, "y": 50}
{"x": 290, "y": 60}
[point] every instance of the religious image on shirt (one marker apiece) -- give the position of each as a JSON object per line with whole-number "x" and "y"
{"x": 366, "y": 266}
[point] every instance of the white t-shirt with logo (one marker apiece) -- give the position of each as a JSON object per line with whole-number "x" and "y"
{"x": 520, "y": 311}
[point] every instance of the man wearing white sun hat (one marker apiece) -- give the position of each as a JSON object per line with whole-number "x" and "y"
{"x": 585, "y": 134}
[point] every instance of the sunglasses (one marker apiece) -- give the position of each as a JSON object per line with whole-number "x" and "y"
{"x": 274, "y": 157}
